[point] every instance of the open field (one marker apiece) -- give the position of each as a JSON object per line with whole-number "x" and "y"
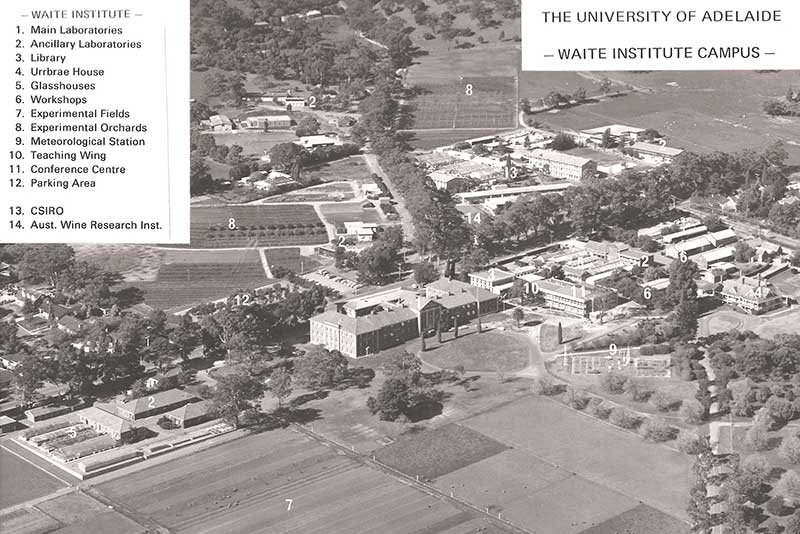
{"x": 768, "y": 326}
{"x": 639, "y": 519}
{"x": 23, "y": 481}
{"x": 352, "y": 169}
{"x": 599, "y": 453}
{"x": 447, "y": 66}
{"x": 244, "y": 488}
{"x": 702, "y": 111}
{"x": 489, "y": 351}
{"x": 342, "y": 212}
{"x": 181, "y": 285}
{"x": 133, "y": 262}
{"x": 465, "y": 102}
{"x": 254, "y": 226}
{"x": 255, "y": 143}
{"x": 181, "y": 256}
{"x": 430, "y": 139}
{"x": 328, "y": 192}
{"x": 291, "y": 259}
{"x": 536, "y": 85}
{"x": 437, "y": 452}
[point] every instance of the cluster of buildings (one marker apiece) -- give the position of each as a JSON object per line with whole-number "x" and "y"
{"x": 371, "y": 323}
{"x": 260, "y": 122}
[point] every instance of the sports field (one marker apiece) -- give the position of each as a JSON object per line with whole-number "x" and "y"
{"x": 252, "y": 226}
{"x": 577, "y": 459}
{"x": 23, "y": 481}
{"x": 244, "y": 487}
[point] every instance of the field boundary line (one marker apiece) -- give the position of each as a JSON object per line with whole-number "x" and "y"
{"x": 409, "y": 480}
{"x": 264, "y": 263}
{"x": 39, "y": 467}
{"x": 31, "y": 503}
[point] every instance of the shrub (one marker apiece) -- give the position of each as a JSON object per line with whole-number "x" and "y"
{"x": 757, "y": 438}
{"x": 790, "y": 449}
{"x": 689, "y": 442}
{"x": 577, "y": 398}
{"x": 776, "y": 506}
{"x": 788, "y": 487}
{"x": 780, "y": 409}
{"x": 692, "y": 411}
{"x": 656, "y": 429}
{"x": 166, "y": 423}
{"x": 598, "y": 408}
{"x": 613, "y": 382}
{"x": 635, "y": 391}
{"x": 623, "y": 418}
{"x": 544, "y": 386}
{"x": 661, "y": 401}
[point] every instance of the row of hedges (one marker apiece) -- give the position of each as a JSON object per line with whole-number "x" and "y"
{"x": 382, "y": 186}
{"x": 85, "y": 448}
{"x": 44, "y": 429}
{"x": 274, "y": 226}
{"x": 90, "y": 466}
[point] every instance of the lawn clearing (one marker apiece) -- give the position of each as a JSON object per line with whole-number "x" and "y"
{"x": 598, "y": 452}
{"x": 328, "y": 192}
{"x": 242, "y": 488}
{"x": 342, "y": 212}
{"x": 23, "y": 481}
{"x": 488, "y": 351}
{"x": 437, "y": 452}
{"x": 447, "y": 66}
{"x": 291, "y": 259}
{"x": 430, "y": 139}
{"x": 27, "y": 521}
{"x": 181, "y": 256}
{"x": 255, "y": 226}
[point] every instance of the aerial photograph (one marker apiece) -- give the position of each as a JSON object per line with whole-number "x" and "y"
{"x": 426, "y": 292}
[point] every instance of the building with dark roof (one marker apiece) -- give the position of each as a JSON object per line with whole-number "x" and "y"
{"x": 154, "y": 404}
{"x": 371, "y": 323}
{"x": 190, "y": 414}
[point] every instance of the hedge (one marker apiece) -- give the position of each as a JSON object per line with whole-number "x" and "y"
{"x": 38, "y": 431}
{"x": 99, "y": 464}
{"x": 85, "y": 448}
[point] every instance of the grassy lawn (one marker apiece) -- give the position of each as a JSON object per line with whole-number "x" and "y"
{"x": 348, "y": 211}
{"x": 438, "y": 452}
{"x": 488, "y": 351}
{"x": 430, "y": 139}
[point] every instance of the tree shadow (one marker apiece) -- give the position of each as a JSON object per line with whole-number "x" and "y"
{"x": 308, "y": 397}
{"x": 357, "y": 377}
{"x": 129, "y": 296}
{"x": 422, "y": 411}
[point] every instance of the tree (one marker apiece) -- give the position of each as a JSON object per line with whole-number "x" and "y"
{"x": 308, "y": 125}
{"x": 280, "y": 384}
{"x": 562, "y": 141}
{"x": 392, "y": 400}
{"x": 29, "y": 377}
{"x": 425, "y": 273}
{"x": 757, "y": 437}
{"x": 656, "y": 429}
{"x": 793, "y": 524}
{"x": 377, "y": 263}
{"x": 607, "y": 141}
{"x": 43, "y": 263}
{"x": 200, "y": 180}
{"x": 518, "y": 315}
{"x": 788, "y": 487}
{"x": 605, "y": 85}
{"x": 284, "y": 155}
{"x": 790, "y": 449}
{"x": 692, "y": 411}
{"x": 236, "y": 393}
{"x": 662, "y": 401}
{"x": 320, "y": 368}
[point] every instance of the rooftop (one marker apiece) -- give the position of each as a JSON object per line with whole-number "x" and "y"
{"x": 560, "y": 157}
{"x": 657, "y": 149}
{"x": 155, "y": 401}
{"x": 100, "y": 414}
{"x": 616, "y": 130}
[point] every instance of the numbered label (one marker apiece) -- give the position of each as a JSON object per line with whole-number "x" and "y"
{"x": 151, "y": 402}
{"x": 289, "y": 504}
{"x": 647, "y": 293}
{"x": 612, "y": 349}
{"x": 683, "y": 257}
{"x": 231, "y": 224}
{"x": 468, "y": 90}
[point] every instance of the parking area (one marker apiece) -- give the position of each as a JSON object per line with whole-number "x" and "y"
{"x": 328, "y": 279}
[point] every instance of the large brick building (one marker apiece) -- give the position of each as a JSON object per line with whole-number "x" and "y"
{"x": 368, "y": 324}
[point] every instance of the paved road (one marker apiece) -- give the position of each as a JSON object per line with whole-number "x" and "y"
{"x": 405, "y": 216}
